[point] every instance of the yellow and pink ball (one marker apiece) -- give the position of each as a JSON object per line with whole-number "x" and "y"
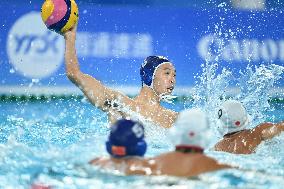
{"x": 59, "y": 15}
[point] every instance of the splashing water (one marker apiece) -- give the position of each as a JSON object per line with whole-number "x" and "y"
{"x": 256, "y": 85}
{"x": 212, "y": 89}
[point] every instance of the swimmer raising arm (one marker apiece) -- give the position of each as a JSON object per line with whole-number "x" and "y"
{"x": 97, "y": 93}
{"x": 158, "y": 78}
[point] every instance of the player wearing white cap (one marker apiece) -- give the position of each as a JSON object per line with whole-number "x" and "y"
{"x": 237, "y": 138}
{"x": 189, "y": 135}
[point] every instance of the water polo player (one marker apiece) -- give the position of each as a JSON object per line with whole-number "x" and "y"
{"x": 158, "y": 81}
{"x": 125, "y": 145}
{"x": 190, "y": 135}
{"x": 237, "y": 138}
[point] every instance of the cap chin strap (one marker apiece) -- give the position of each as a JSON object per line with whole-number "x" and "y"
{"x": 167, "y": 98}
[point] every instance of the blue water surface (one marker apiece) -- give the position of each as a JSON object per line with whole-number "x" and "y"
{"x": 51, "y": 141}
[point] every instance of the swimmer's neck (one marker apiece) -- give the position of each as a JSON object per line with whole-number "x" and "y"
{"x": 148, "y": 95}
{"x": 228, "y": 135}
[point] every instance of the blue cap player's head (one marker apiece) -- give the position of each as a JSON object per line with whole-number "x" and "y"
{"x": 126, "y": 138}
{"x": 158, "y": 73}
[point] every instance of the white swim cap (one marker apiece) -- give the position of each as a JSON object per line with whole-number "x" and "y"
{"x": 190, "y": 129}
{"x": 233, "y": 117}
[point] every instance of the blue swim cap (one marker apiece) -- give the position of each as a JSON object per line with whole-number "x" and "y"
{"x": 126, "y": 139}
{"x": 148, "y": 68}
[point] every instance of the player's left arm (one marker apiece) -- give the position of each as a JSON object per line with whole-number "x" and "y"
{"x": 270, "y": 130}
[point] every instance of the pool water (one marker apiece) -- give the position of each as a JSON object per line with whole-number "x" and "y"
{"x": 51, "y": 141}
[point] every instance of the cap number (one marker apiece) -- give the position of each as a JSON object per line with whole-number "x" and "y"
{"x": 137, "y": 130}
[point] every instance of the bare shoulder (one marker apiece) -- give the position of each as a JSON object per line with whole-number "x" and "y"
{"x": 98, "y": 161}
{"x": 119, "y": 99}
{"x": 219, "y": 146}
{"x": 139, "y": 166}
{"x": 94, "y": 161}
{"x": 170, "y": 112}
{"x": 126, "y": 99}
{"x": 212, "y": 164}
{"x": 169, "y": 116}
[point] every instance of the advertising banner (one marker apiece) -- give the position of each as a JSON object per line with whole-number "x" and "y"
{"x": 112, "y": 43}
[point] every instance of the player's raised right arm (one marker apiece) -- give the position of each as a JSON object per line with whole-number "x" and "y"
{"x": 95, "y": 91}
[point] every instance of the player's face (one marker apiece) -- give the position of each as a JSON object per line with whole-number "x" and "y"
{"x": 165, "y": 79}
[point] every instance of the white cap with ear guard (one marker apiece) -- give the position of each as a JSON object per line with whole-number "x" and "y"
{"x": 232, "y": 117}
{"x": 190, "y": 129}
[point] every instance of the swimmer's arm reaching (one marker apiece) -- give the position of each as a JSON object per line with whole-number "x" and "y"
{"x": 269, "y": 130}
{"x": 96, "y": 92}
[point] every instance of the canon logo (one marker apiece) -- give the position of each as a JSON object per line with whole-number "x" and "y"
{"x": 212, "y": 47}
{"x": 33, "y": 50}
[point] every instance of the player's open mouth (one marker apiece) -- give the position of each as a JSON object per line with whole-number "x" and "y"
{"x": 170, "y": 89}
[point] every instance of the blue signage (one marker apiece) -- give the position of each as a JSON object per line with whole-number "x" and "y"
{"x": 113, "y": 41}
